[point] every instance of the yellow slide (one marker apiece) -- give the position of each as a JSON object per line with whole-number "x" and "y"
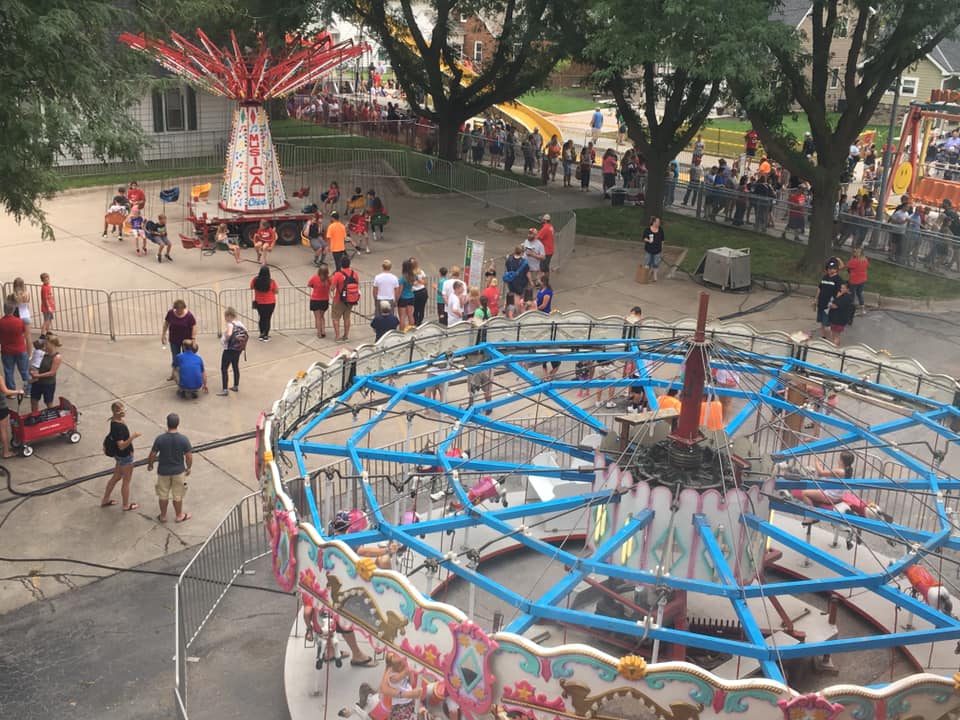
{"x": 526, "y": 116}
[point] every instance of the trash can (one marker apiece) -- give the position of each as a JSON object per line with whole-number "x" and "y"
{"x": 617, "y": 197}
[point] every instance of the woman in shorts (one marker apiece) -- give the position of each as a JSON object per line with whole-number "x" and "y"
{"x": 122, "y": 442}
{"x": 405, "y": 303}
{"x": 319, "y": 285}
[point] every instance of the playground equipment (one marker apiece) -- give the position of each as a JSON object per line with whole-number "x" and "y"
{"x": 252, "y": 186}
{"x": 674, "y": 607}
{"x": 922, "y": 169}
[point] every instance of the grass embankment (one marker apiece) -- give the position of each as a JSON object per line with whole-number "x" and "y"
{"x": 468, "y": 178}
{"x": 770, "y": 257}
{"x": 558, "y": 102}
{"x": 796, "y": 124}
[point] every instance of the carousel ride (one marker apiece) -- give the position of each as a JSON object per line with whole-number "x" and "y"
{"x": 758, "y": 468}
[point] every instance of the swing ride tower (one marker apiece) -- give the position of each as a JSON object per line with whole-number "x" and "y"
{"x": 252, "y": 182}
{"x": 681, "y": 550}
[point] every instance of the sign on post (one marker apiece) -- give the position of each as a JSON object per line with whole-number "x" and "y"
{"x": 472, "y": 260}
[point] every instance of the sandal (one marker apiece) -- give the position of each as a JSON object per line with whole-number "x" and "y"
{"x": 369, "y": 662}
{"x": 132, "y": 506}
{"x": 184, "y": 517}
{"x": 108, "y": 503}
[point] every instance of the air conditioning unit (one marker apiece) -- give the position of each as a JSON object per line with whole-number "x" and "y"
{"x": 726, "y": 267}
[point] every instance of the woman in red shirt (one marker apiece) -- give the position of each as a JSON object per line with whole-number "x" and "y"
{"x": 319, "y": 285}
{"x": 264, "y": 239}
{"x": 264, "y": 300}
{"x": 857, "y": 267}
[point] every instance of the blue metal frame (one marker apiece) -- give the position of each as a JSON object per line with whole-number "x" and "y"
{"x": 511, "y": 357}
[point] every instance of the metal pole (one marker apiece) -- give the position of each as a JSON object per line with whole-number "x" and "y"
{"x": 887, "y": 153}
{"x": 694, "y": 375}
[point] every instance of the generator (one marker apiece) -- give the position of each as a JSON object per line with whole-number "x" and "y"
{"x": 726, "y": 267}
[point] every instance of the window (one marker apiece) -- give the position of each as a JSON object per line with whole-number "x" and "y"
{"x": 457, "y": 48}
{"x": 908, "y": 86}
{"x": 834, "y": 78}
{"x": 174, "y": 109}
{"x": 477, "y": 52}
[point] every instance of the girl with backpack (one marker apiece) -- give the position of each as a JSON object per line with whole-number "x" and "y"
{"x": 234, "y": 340}
{"x": 118, "y": 444}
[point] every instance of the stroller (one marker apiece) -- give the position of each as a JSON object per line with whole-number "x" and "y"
{"x": 48, "y": 422}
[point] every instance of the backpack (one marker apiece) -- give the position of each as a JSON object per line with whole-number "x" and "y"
{"x": 238, "y": 338}
{"x": 109, "y": 446}
{"x": 350, "y": 292}
{"x": 510, "y": 275}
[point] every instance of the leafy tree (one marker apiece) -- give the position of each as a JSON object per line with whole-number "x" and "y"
{"x": 876, "y": 41}
{"x": 271, "y": 19}
{"x": 63, "y": 89}
{"x": 532, "y": 37}
{"x": 666, "y": 72}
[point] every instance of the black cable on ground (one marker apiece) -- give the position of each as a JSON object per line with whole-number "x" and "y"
{"x": 116, "y": 569}
{"x": 51, "y": 489}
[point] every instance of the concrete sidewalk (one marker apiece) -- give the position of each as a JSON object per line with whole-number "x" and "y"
{"x": 598, "y": 278}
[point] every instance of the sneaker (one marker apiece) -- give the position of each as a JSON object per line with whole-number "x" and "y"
{"x": 159, "y": 258}
{"x": 611, "y": 404}
{"x": 235, "y": 388}
{"x": 261, "y": 339}
{"x": 598, "y": 404}
{"x": 266, "y": 338}
{"x": 632, "y": 410}
{"x": 169, "y": 259}
{"x": 223, "y": 393}
{"x": 104, "y": 234}
{"x": 194, "y": 395}
{"x": 368, "y": 251}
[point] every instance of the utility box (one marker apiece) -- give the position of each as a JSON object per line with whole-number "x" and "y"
{"x": 726, "y": 267}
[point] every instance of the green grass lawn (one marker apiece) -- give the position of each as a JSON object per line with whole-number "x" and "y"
{"x": 795, "y": 123}
{"x": 300, "y": 134}
{"x": 558, "y": 102}
{"x": 769, "y": 257}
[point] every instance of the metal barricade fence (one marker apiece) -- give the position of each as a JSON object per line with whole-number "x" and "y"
{"x": 141, "y": 312}
{"x": 76, "y": 310}
{"x": 238, "y": 540}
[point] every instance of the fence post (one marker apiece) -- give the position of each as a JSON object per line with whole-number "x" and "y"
{"x": 110, "y": 324}
{"x": 179, "y": 657}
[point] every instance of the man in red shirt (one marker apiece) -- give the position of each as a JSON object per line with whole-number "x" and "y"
{"x": 13, "y": 347}
{"x": 547, "y": 237}
{"x": 135, "y": 195}
{"x": 340, "y": 297}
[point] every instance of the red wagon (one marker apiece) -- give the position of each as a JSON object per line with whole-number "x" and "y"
{"x": 48, "y": 422}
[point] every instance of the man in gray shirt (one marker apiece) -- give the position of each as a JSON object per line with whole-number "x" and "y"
{"x": 174, "y": 457}
{"x": 534, "y": 251}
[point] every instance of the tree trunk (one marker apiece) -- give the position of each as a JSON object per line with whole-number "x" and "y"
{"x": 448, "y": 138}
{"x": 656, "y": 184}
{"x": 826, "y": 188}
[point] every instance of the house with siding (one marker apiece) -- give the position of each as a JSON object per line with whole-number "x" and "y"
{"x": 178, "y": 122}
{"x": 939, "y": 70}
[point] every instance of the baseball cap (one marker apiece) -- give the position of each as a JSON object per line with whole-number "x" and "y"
{"x": 832, "y": 265}
{"x": 546, "y": 218}
{"x": 335, "y": 215}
